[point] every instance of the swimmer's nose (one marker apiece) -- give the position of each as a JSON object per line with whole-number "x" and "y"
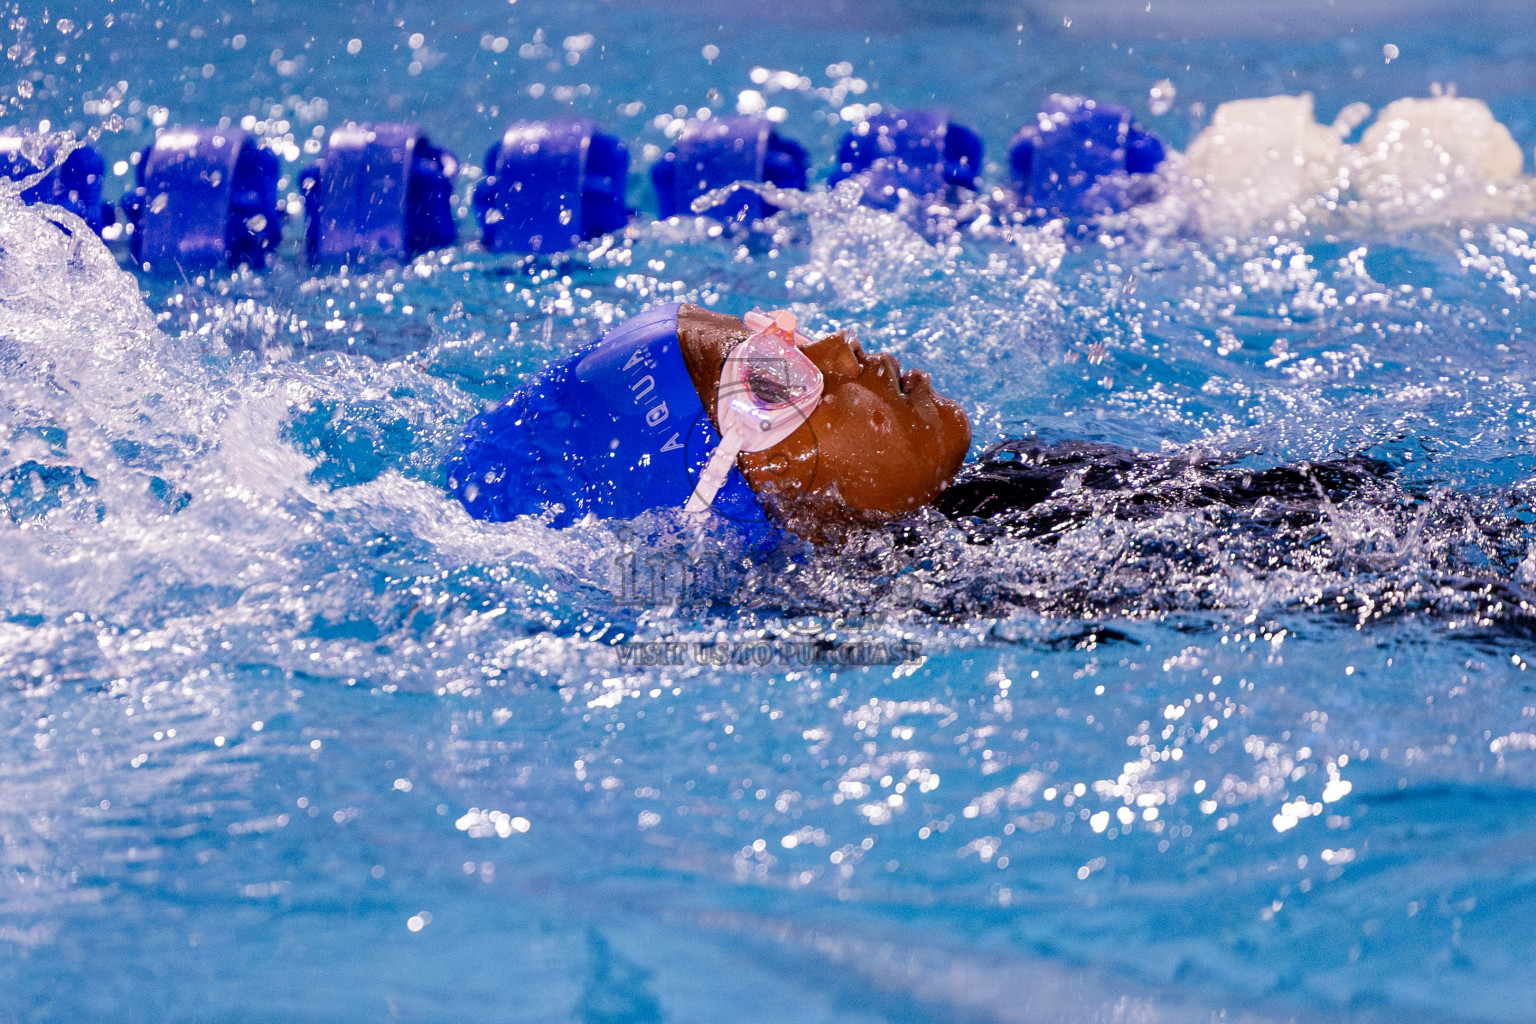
{"x": 916, "y": 380}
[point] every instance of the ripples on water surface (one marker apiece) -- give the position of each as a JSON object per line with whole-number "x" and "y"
{"x": 287, "y": 736}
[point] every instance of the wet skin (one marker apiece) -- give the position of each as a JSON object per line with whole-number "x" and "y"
{"x": 882, "y": 441}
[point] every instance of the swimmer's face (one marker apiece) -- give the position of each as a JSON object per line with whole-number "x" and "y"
{"x": 882, "y": 441}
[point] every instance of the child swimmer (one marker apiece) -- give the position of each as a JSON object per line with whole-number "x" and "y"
{"x": 829, "y": 437}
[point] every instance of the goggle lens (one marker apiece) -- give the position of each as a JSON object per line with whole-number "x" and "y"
{"x": 774, "y": 373}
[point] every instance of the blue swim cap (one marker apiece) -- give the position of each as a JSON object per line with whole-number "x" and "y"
{"x": 615, "y": 430}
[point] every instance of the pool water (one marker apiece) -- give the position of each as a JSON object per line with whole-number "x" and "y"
{"x": 284, "y": 735}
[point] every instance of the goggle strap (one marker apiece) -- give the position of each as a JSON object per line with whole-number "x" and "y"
{"x": 715, "y": 472}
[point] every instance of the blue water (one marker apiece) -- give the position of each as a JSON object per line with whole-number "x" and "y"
{"x": 285, "y": 736}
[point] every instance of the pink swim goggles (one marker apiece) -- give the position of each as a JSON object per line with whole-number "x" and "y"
{"x": 768, "y": 387}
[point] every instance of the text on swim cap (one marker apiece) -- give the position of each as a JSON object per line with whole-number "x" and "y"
{"x": 641, "y": 389}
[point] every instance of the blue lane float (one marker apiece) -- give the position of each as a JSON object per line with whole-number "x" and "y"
{"x": 206, "y": 197}
{"x": 722, "y": 151}
{"x": 900, "y": 153}
{"x": 381, "y": 191}
{"x": 551, "y": 184}
{"x": 75, "y": 184}
{"x": 1077, "y": 158}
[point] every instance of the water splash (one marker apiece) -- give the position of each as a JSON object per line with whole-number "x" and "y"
{"x": 47, "y": 152}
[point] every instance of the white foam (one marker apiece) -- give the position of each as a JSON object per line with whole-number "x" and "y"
{"x": 1263, "y": 160}
{"x": 1427, "y": 160}
{"x": 1268, "y": 165}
